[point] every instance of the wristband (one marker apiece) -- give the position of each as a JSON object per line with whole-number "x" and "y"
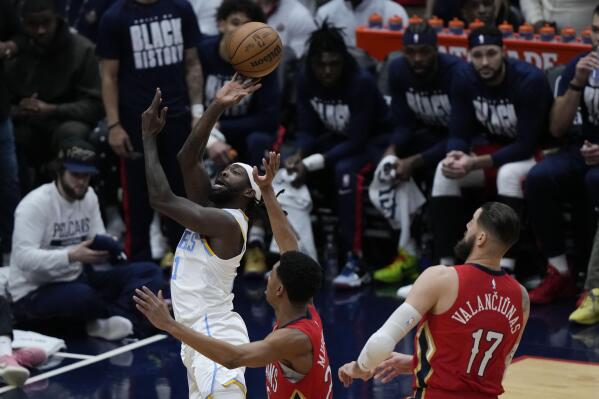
{"x": 314, "y": 162}
{"x": 197, "y": 110}
{"x": 574, "y": 87}
{"x": 115, "y": 124}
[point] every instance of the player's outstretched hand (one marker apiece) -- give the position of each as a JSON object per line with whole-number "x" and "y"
{"x": 235, "y": 90}
{"x": 351, "y": 371}
{"x": 396, "y": 364}
{"x": 154, "y": 308}
{"x": 153, "y": 119}
{"x": 271, "y": 166}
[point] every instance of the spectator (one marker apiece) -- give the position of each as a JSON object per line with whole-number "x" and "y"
{"x": 51, "y": 267}
{"x": 560, "y": 12}
{"x": 342, "y": 123}
{"x": 205, "y": 11}
{"x": 493, "y": 12}
{"x": 9, "y": 178}
{"x": 292, "y": 20}
{"x": 565, "y": 175}
{"x": 144, "y": 45}
{"x": 83, "y": 15}
{"x": 588, "y": 311}
{"x": 250, "y": 126}
{"x": 508, "y": 102}
{"x": 419, "y": 83}
{"x": 55, "y": 88}
{"x": 14, "y": 365}
{"x": 348, "y": 15}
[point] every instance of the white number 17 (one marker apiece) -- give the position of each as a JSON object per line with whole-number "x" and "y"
{"x": 491, "y": 336}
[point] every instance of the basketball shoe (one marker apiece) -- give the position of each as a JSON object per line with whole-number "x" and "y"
{"x": 402, "y": 267}
{"x": 349, "y": 276}
{"x": 554, "y": 286}
{"x": 588, "y": 311}
{"x": 255, "y": 262}
{"x": 13, "y": 368}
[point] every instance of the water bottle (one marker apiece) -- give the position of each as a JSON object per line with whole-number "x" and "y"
{"x": 594, "y": 76}
{"x": 330, "y": 258}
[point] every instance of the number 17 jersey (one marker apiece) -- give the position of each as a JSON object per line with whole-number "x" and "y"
{"x": 463, "y": 353}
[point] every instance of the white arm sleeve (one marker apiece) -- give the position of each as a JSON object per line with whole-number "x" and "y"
{"x": 381, "y": 343}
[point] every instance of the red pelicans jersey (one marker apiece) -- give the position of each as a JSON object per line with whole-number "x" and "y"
{"x": 284, "y": 383}
{"x": 463, "y": 353}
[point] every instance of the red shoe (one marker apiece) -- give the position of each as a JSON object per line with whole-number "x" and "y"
{"x": 30, "y": 357}
{"x": 554, "y": 286}
{"x": 581, "y": 298}
{"x": 12, "y": 372}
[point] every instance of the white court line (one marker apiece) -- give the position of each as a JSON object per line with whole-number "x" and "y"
{"x": 87, "y": 362}
{"x": 67, "y": 355}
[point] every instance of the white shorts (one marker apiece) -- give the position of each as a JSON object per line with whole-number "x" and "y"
{"x": 206, "y": 378}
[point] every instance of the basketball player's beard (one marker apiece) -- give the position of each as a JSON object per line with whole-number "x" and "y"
{"x": 463, "y": 249}
{"x": 219, "y": 197}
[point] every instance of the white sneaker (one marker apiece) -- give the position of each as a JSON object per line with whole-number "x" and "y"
{"x": 403, "y": 292}
{"x": 158, "y": 242}
{"x": 110, "y": 329}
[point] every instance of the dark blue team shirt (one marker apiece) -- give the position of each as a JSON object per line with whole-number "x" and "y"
{"x": 355, "y": 111}
{"x": 259, "y": 111}
{"x": 589, "y": 102}
{"x": 513, "y": 114}
{"x": 415, "y": 106}
{"x": 150, "y": 41}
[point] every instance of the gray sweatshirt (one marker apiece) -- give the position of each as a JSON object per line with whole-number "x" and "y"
{"x": 46, "y": 225}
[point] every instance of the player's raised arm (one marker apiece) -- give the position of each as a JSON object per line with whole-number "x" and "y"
{"x": 282, "y": 231}
{"x": 190, "y": 157}
{"x": 282, "y": 344}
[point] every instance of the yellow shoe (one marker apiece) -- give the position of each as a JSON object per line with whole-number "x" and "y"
{"x": 167, "y": 260}
{"x": 403, "y": 267}
{"x": 588, "y": 311}
{"x": 255, "y": 262}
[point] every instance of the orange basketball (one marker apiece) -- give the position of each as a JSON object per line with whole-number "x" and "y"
{"x": 255, "y": 49}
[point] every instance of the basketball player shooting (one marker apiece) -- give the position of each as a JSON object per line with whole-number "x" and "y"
{"x": 213, "y": 243}
{"x": 294, "y": 353}
{"x": 470, "y": 319}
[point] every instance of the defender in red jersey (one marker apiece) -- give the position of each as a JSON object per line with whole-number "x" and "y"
{"x": 294, "y": 353}
{"x": 470, "y": 319}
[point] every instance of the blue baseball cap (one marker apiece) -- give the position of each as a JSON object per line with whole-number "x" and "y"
{"x": 78, "y": 156}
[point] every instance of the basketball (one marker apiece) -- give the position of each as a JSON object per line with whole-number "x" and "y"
{"x": 255, "y": 49}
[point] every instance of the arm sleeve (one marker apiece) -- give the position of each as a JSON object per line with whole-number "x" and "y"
{"x": 88, "y": 105}
{"x": 109, "y": 37}
{"x": 264, "y": 112}
{"x": 462, "y": 118}
{"x": 532, "y": 111}
{"x": 308, "y": 123}
{"x": 44, "y": 265}
{"x": 532, "y": 10}
{"x": 191, "y": 30}
{"x": 361, "y": 108}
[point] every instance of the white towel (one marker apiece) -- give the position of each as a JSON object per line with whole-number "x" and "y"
{"x": 27, "y": 339}
{"x": 297, "y": 202}
{"x": 397, "y": 202}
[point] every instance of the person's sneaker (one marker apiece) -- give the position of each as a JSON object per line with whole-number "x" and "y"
{"x": 12, "y": 372}
{"x": 255, "y": 262}
{"x": 404, "y": 291}
{"x": 110, "y": 329}
{"x": 30, "y": 357}
{"x": 554, "y": 286}
{"x": 588, "y": 311}
{"x": 349, "y": 277}
{"x": 403, "y": 267}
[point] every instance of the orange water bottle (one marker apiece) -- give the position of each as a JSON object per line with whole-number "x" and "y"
{"x": 526, "y": 31}
{"x": 436, "y": 24}
{"x": 375, "y": 21}
{"x": 568, "y": 34}
{"x": 395, "y": 23}
{"x": 586, "y": 35}
{"x": 477, "y": 23}
{"x": 547, "y": 33}
{"x": 507, "y": 29}
{"x": 456, "y": 26}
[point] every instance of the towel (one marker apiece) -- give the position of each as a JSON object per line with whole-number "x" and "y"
{"x": 27, "y": 339}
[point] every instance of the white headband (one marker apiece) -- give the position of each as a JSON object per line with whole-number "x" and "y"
{"x": 250, "y": 171}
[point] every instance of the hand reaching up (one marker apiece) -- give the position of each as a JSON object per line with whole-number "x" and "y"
{"x": 271, "y": 166}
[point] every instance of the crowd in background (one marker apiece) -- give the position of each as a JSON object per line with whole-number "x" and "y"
{"x": 428, "y": 135}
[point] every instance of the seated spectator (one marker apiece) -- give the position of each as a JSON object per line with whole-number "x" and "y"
{"x": 342, "y": 123}
{"x": 205, "y": 11}
{"x": 83, "y": 15}
{"x": 250, "y": 127}
{"x": 55, "y": 88}
{"x": 14, "y": 365}
{"x": 292, "y": 20}
{"x": 9, "y": 178}
{"x": 505, "y": 100}
{"x": 588, "y": 310}
{"x": 348, "y": 15}
{"x": 559, "y": 12}
{"x": 51, "y": 267}
{"x": 566, "y": 175}
{"x": 419, "y": 84}
{"x": 489, "y": 11}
